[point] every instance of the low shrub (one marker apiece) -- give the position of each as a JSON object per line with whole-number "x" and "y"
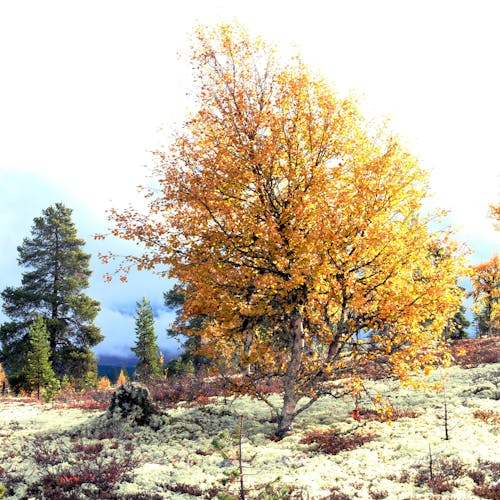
{"x": 378, "y": 494}
{"x": 185, "y": 489}
{"x": 441, "y": 477}
{"x": 488, "y": 491}
{"x": 86, "y": 466}
{"x": 368, "y": 415}
{"x": 89, "y": 400}
{"x": 469, "y": 353}
{"x": 488, "y": 416}
{"x": 331, "y": 443}
{"x": 46, "y": 451}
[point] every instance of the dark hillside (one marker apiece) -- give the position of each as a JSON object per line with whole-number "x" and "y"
{"x": 113, "y": 371}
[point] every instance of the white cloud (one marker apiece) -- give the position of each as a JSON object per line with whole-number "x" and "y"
{"x": 120, "y": 335}
{"x": 87, "y": 86}
{"x": 24, "y": 196}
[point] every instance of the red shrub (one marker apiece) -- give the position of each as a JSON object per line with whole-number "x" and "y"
{"x": 88, "y": 400}
{"x": 68, "y": 481}
{"x": 331, "y": 443}
{"x": 188, "y": 389}
{"x": 488, "y": 491}
{"x": 90, "y": 449}
{"x": 488, "y": 416}
{"x": 440, "y": 485}
{"x": 44, "y": 453}
{"x": 365, "y": 414}
{"x": 472, "y": 352}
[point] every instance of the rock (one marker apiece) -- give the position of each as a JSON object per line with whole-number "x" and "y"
{"x": 485, "y": 390}
{"x": 132, "y": 402}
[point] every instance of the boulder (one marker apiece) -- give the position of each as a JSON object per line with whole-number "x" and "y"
{"x": 132, "y": 402}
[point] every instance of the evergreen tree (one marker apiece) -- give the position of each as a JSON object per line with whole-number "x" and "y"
{"x": 185, "y": 331}
{"x": 38, "y": 372}
{"x": 57, "y": 273}
{"x": 482, "y": 321}
{"x": 146, "y": 349}
{"x": 457, "y": 327}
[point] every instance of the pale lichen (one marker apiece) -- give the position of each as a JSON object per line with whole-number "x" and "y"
{"x": 179, "y": 448}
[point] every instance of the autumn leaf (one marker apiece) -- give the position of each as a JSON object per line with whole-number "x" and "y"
{"x": 486, "y": 294}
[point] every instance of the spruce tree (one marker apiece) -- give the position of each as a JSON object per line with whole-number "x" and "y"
{"x": 186, "y": 331}
{"x": 38, "y": 372}
{"x": 146, "y": 349}
{"x": 457, "y": 327}
{"x": 52, "y": 286}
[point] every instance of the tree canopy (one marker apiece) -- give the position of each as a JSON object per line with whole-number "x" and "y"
{"x": 295, "y": 226}
{"x": 185, "y": 330}
{"x": 486, "y": 294}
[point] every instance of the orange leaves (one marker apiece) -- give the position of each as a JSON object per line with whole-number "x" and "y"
{"x": 486, "y": 293}
{"x": 486, "y": 275}
{"x": 104, "y": 258}
{"x": 294, "y": 224}
{"x": 495, "y": 214}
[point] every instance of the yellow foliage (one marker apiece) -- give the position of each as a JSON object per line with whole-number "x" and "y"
{"x": 486, "y": 292}
{"x": 295, "y": 225}
{"x": 104, "y": 383}
{"x": 4, "y": 383}
{"x": 495, "y": 213}
{"x": 122, "y": 378}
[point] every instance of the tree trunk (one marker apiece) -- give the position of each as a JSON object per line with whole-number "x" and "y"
{"x": 55, "y": 292}
{"x": 290, "y": 397}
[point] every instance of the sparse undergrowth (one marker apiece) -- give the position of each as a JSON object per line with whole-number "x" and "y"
{"x": 443, "y": 475}
{"x": 59, "y": 451}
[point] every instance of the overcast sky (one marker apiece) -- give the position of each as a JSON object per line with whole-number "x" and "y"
{"x": 88, "y": 88}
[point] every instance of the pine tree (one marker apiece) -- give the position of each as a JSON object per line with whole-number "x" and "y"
{"x": 38, "y": 372}
{"x": 146, "y": 349}
{"x": 57, "y": 273}
{"x": 186, "y": 331}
